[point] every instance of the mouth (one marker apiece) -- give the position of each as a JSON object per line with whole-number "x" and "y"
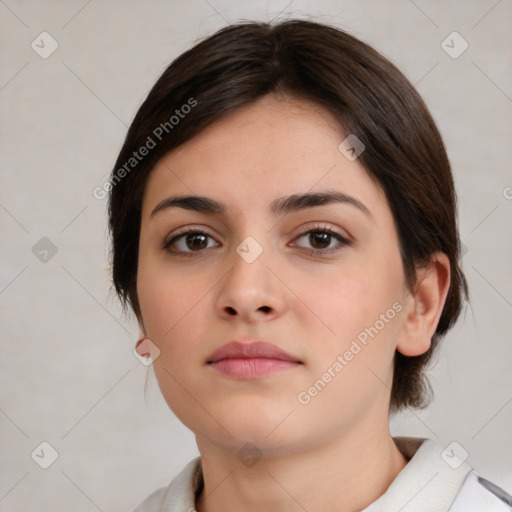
{"x": 250, "y": 360}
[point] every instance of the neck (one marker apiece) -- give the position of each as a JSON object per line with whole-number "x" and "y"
{"x": 346, "y": 474}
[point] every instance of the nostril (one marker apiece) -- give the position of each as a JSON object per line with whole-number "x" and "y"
{"x": 231, "y": 311}
{"x": 266, "y": 309}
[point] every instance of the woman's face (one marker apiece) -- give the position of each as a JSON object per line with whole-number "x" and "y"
{"x": 324, "y": 283}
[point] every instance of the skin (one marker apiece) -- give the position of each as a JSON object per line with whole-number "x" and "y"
{"x": 336, "y": 452}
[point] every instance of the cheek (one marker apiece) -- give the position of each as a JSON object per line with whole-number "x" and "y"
{"x": 173, "y": 315}
{"x": 342, "y": 299}
{"x": 356, "y": 310}
{"x": 168, "y": 301}
{"x": 350, "y": 365}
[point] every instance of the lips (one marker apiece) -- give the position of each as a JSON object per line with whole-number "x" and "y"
{"x": 251, "y": 360}
{"x": 250, "y": 350}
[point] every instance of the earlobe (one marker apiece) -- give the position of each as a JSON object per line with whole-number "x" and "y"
{"x": 141, "y": 346}
{"x": 425, "y": 306}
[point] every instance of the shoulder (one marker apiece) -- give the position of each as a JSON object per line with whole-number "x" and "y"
{"x": 179, "y": 495}
{"x": 438, "y": 479}
{"x": 478, "y": 493}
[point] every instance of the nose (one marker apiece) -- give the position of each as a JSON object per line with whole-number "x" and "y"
{"x": 250, "y": 291}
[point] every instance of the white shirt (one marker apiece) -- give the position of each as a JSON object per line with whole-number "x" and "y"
{"x": 434, "y": 480}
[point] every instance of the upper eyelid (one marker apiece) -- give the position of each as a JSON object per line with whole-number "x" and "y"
{"x": 172, "y": 238}
{"x": 318, "y": 227}
{"x": 343, "y": 236}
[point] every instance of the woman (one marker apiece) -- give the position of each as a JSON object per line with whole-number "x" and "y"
{"x": 284, "y": 228}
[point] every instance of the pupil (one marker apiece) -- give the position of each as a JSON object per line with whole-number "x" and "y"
{"x": 320, "y": 238}
{"x": 191, "y": 239}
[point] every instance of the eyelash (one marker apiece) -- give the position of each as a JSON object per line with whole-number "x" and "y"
{"x": 316, "y": 229}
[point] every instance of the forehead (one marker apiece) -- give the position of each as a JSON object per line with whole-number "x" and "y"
{"x": 270, "y": 148}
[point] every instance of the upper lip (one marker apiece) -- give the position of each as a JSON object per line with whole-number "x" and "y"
{"x": 252, "y": 349}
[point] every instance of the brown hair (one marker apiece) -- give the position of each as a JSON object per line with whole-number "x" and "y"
{"x": 404, "y": 152}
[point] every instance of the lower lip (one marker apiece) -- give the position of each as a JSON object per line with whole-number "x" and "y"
{"x": 247, "y": 368}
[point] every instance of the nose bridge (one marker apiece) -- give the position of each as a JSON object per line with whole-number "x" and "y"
{"x": 249, "y": 265}
{"x": 249, "y": 249}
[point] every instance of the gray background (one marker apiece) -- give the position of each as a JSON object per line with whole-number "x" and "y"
{"x": 68, "y": 375}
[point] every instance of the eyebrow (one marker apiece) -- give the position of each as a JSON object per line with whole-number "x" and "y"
{"x": 281, "y": 206}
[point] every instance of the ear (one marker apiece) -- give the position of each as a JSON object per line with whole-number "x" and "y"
{"x": 142, "y": 345}
{"x": 425, "y": 305}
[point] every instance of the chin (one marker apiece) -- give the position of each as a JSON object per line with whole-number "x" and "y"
{"x": 240, "y": 429}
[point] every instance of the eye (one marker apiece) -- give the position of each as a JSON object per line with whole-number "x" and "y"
{"x": 321, "y": 240}
{"x": 188, "y": 242}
